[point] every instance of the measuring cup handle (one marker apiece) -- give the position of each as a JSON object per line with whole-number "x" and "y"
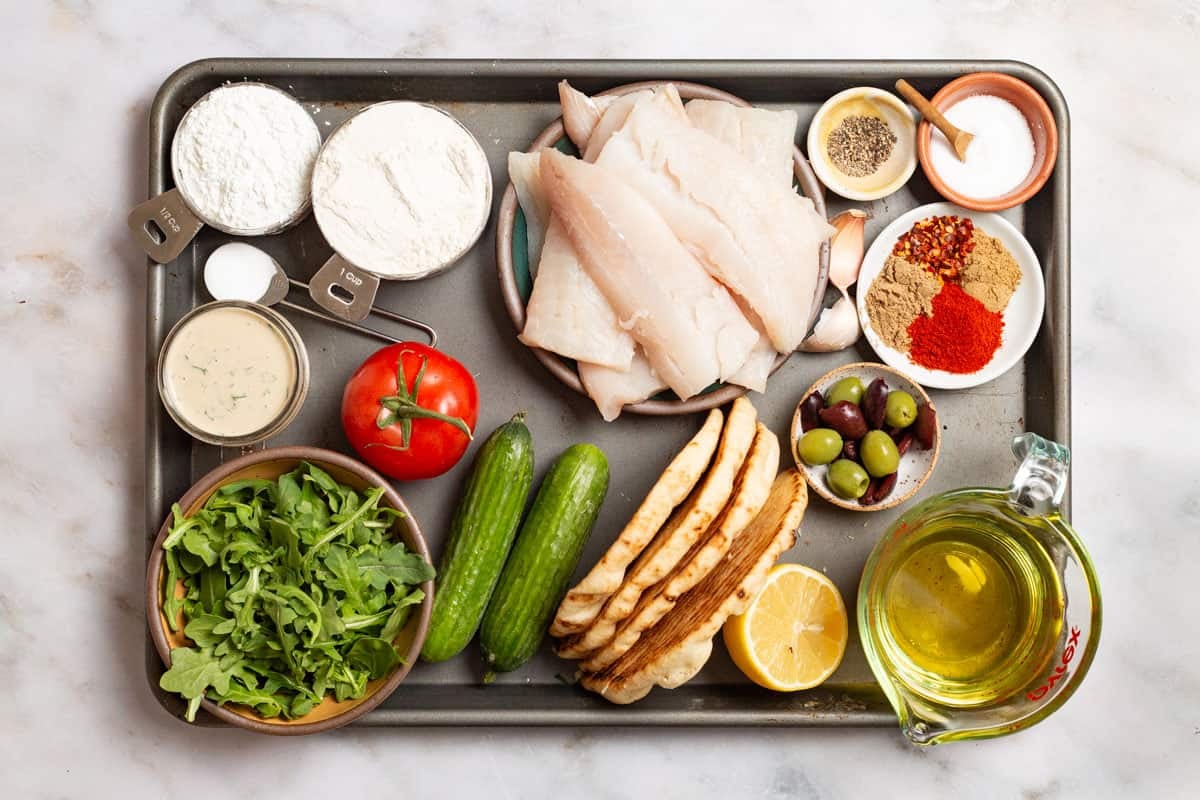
{"x": 1041, "y": 479}
{"x": 163, "y": 226}
{"x": 343, "y": 290}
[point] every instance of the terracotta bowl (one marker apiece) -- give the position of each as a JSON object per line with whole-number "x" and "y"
{"x": 1041, "y": 125}
{"x": 915, "y": 466}
{"x": 512, "y": 264}
{"x": 270, "y": 464}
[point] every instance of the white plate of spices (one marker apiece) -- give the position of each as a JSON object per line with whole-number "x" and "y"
{"x": 952, "y": 297}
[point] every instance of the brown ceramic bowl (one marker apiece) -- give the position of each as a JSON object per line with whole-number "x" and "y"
{"x": 564, "y": 369}
{"x": 915, "y": 466}
{"x": 1041, "y": 125}
{"x": 270, "y": 464}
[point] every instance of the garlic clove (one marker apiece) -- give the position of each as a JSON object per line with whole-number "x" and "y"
{"x": 837, "y": 328}
{"x": 846, "y": 248}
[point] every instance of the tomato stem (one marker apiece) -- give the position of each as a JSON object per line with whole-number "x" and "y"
{"x": 402, "y": 407}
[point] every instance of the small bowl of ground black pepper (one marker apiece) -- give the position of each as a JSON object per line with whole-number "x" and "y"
{"x": 949, "y": 296}
{"x": 862, "y": 143}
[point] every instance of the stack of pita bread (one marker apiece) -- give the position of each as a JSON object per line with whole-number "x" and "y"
{"x": 696, "y": 552}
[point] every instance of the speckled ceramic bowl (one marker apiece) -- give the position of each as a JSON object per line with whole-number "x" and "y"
{"x": 270, "y": 464}
{"x": 915, "y": 466}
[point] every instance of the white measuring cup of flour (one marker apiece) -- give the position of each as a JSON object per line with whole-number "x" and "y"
{"x": 346, "y": 286}
{"x": 241, "y": 271}
{"x": 164, "y": 225}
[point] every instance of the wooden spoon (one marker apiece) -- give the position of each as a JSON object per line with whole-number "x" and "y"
{"x": 959, "y": 139}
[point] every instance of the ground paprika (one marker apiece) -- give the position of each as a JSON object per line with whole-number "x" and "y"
{"x": 961, "y": 335}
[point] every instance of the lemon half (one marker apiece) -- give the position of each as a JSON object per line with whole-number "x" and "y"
{"x": 794, "y": 633}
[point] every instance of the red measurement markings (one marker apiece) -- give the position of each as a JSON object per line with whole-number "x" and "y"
{"x": 1060, "y": 671}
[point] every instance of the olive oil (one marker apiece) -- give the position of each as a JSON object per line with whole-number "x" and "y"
{"x": 970, "y": 610}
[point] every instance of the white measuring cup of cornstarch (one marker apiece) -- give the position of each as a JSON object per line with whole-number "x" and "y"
{"x": 242, "y": 160}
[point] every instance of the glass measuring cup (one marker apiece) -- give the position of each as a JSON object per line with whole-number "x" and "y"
{"x": 979, "y": 610}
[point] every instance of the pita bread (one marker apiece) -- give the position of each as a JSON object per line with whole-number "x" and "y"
{"x": 678, "y": 536}
{"x": 582, "y": 604}
{"x": 750, "y": 493}
{"x": 674, "y": 650}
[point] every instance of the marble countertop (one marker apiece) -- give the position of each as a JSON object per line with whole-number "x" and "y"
{"x": 77, "y": 81}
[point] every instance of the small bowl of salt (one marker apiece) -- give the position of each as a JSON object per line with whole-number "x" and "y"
{"x": 1014, "y": 149}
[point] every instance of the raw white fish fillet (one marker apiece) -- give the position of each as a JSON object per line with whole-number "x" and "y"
{"x": 756, "y": 369}
{"x": 564, "y": 295}
{"x": 687, "y": 323}
{"x": 765, "y": 137}
{"x": 580, "y": 113}
{"x": 757, "y": 237}
{"x": 523, "y": 172}
{"x": 566, "y": 313}
{"x": 610, "y": 122}
{"x": 613, "y": 389}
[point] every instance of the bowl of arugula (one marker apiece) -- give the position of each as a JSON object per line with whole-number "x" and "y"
{"x": 288, "y": 592}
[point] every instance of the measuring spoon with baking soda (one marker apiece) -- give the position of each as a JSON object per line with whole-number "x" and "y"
{"x": 240, "y": 271}
{"x": 241, "y": 160}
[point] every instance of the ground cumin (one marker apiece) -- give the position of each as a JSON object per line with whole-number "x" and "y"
{"x": 899, "y": 294}
{"x": 990, "y": 273}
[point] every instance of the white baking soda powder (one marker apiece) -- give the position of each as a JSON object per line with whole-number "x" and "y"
{"x": 401, "y": 189}
{"x": 243, "y": 158}
{"x": 1000, "y": 156}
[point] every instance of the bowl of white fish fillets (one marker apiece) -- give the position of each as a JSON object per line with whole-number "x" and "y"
{"x": 659, "y": 257}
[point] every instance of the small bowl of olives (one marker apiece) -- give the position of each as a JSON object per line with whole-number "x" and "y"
{"x": 865, "y": 436}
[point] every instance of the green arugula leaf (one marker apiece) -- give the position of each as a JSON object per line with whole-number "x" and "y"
{"x": 212, "y": 589}
{"x": 192, "y": 672}
{"x": 400, "y": 614}
{"x": 171, "y": 603}
{"x": 375, "y": 656}
{"x": 201, "y": 630}
{"x": 397, "y": 566}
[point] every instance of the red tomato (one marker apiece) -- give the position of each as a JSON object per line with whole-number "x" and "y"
{"x": 416, "y": 429}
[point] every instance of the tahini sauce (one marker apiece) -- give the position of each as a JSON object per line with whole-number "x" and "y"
{"x": 229, "y": 372}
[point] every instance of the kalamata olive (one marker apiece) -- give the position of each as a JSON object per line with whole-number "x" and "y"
{"x": 874, "y": 403}
{"x": 925, "y": 427}
{"x": 849, "y": 389}
{"x": 809, "y": 408}
{"x": 850, "y": 450}
{"x": 845, "y": 418}
{"x": 879, "y": 489}
{"x": 901, "y": 409}
{"x": 903, "y": 441}
{"x": 879, "y": 454}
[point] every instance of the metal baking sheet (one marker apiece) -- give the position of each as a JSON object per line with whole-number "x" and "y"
{"x": 505, "y": 104}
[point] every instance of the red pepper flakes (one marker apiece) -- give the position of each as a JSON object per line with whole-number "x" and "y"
{"x": 939, "y": 244}
{"x": 960, "y": 336}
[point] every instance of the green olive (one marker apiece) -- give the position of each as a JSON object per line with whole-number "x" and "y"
{"x": 847, "y": 479}
{"x": 901, "y": 409}
{"x": 848, "y": 389}
{"x": 819, "y": 446}
{"x": 879, "y": 454}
